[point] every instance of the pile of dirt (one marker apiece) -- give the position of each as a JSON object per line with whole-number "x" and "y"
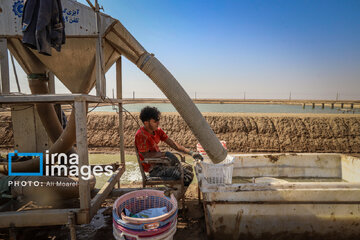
{"x": 242, "y": 132}
{"x": 6, "y": 132}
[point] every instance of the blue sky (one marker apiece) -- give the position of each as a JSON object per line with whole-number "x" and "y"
{"x": 221, "y": 48}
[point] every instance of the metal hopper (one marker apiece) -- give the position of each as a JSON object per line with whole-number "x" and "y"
{"x": 75, "y": 65}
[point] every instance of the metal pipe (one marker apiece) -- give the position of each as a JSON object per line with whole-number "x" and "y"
{"x": 63, "y": 140}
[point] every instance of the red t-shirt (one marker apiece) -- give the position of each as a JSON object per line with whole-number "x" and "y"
{"x": 147, "y": 142}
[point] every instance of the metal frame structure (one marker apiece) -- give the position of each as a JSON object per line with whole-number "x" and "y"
{"x": 88, "y": 206}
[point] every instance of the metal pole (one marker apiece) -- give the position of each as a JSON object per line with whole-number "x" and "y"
{"x": 4, "y": 65}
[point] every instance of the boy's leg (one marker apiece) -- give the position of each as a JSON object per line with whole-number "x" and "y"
{"x": 173, "y": 159}
{"x": 173, "y": 172}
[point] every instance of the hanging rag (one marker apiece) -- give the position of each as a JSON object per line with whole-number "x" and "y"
{"x": 43, "y": 25}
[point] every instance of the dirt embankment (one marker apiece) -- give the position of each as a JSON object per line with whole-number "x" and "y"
{"x": 242, "y": 132}
{"x": 6, "y": 132}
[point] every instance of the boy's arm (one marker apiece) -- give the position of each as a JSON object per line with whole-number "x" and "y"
{"x": 178, "y": 147}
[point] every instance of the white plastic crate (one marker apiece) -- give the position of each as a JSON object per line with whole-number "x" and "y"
{"x": 220, "y": 173}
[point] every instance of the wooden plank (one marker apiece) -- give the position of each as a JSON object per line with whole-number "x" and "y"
{"x": 119, "y": 78}
{"x": 43, "y": 142}
{"x": 51, "y": 83}
{"x": 4, "y": 65}
{"x": 82, "y": 150}
{"x": 24, "y": 128}
{"x": 119, "y": 96}
{"x": 15, "y": 73}
{"x": 29, "y": 133}
{"x": 37, "y": 218}
{"x": 105, "y": 190}
{"x": 98, "y": 68}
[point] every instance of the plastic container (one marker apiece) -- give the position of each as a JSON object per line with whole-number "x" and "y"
{"x": 142, "y": 226}
{"x": 167, "y": 235}
{"x": 145, "y": 233}
{"x": 220, "y": 173}
{"x": 137, "y": 201}
{"x": 201, "y": 150}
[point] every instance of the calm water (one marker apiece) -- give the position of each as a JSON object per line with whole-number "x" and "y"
{"x": 234, "y": 108}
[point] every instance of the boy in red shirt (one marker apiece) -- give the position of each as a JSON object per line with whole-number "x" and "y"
{"x": 147, "y": 139}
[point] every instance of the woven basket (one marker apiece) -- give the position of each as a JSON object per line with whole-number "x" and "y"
{"x": 143, "y": 226}
{"x": 167, "y": 235}
{"x": 145, "y": 233}
{"x": 137, "y": 201}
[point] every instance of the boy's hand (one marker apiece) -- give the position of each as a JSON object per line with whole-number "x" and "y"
{"x": 196, "y": 155}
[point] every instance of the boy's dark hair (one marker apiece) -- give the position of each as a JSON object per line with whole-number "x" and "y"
{"x": 148, "y": 113}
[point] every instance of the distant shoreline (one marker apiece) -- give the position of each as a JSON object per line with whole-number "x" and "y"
{"x": 308, "y": 103}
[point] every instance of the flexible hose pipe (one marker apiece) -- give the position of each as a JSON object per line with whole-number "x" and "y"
{"x": 184, "y": 105}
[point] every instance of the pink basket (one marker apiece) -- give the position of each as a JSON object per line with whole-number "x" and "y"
{"x": 166, "y": 235}
{"x": 142, "y": 234}
{"x": 140, "y": 200}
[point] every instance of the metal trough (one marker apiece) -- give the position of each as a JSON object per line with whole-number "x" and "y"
{"x": 310, "y": 195}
